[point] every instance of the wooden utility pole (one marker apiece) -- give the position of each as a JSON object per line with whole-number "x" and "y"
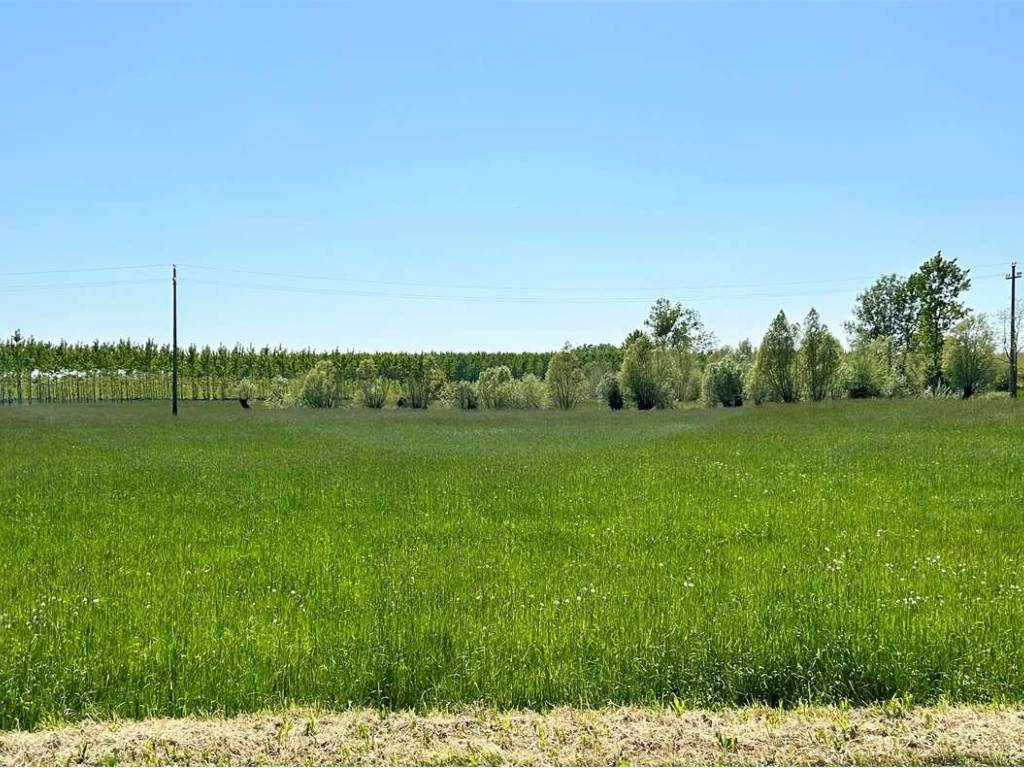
{"x": 1012, "y": 277}
{"x": 174, "y": 340}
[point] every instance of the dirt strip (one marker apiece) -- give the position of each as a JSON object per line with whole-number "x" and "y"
{"x": 613, "y": 736}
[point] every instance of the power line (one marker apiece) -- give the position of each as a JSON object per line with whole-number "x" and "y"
{"x": 82, "y": 269}
{"x": 534, "y": 288}
{"x": 500, "y": 299}
{"x": 492, "y": 287}
{"x": 441, "y": 297}
{"x": 28, "y": 288}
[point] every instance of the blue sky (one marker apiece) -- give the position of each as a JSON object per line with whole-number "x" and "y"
{"x": 741, "y": 158}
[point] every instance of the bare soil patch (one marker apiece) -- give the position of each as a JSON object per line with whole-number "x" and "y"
{"x": 614, "y": 736}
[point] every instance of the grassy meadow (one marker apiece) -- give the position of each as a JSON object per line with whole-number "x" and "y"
{"x": 231, "y": 561}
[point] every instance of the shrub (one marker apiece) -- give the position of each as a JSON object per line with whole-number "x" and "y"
{"x": 564, "y": 379}
{"x": 464, "y": 395}
{"x": 495, "y": 387}
{"x": 245, "y": 390}
{"x": 595, "y": 372}
{"x": 529, "y": 392}
{"x": 906, "y": 372}
{"x": 320, "y": 386}
{"x": 422, "y": 382}
{"x": 753, "y": 388}
{"x": 284, "y": 393}
{"x": 863, "y": 373}
{"x": 610, "y": 391}
{"x": 969, "y": 357}
{"x": 723, "y": 382}
{"x": 643, "y": 374}
{"x": 374, "y": 389}
{"x": 685, "y": 374}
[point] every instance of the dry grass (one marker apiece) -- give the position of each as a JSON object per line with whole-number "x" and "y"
{"x": 891, "y": 734}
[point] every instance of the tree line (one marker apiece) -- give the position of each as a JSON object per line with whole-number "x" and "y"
{"x": 908, "y": 336}
{"x": 33, "y": 370}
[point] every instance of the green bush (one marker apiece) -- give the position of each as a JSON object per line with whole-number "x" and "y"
{"x": 564, "y": 380}
{"x": 723, "y": 382}
{"x": 969, "y": 357}
{"x": 245, "y": 390}
{"x": 422, "y": 382}
{"x": 495, "y": 387}
{"x": 685, "y": 377}
{"x": 610, "y": 392}
{"x": 644, "y": 374}
{"x": 529, "y": 392}
{"x": 320, "y": 387}
{"x": 464, "y": 395}
{"x": 374, "y": 389}
{"x": 863, "y": 373}
{"x": 754, "y": 389}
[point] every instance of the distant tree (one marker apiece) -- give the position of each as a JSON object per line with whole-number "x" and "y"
{"x": 745, "y": 353}
{"x": 970, "y": 355}
{"x": 820, "y": 354}
{"x": 1004, "y": 322}
{"x": 610, "y": 391}
{"x": 679, "y": 328}
{"x": 776, "y": 366}
{"x": 18, "y": 360}
{"x": 529, "y": 392}
{"x": 864, "y": 373}
{"x": 564, "y": 379}
{"x": 643, "y": 375}
{"x": 423, "y": 380}
{"x": 633, "y": 336}
{"x": 373, "y": 388}
{"x": 320, "y": 386}
{"x": 464, "y": 395}
{"x": 887, "y": 310}
{"x": 495, "y": 387}
{"x": 723, "y": 382}
{"x": 937, "y": 286}
{"x": 245, "y": 390}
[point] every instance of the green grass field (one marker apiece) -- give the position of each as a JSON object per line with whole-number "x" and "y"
{"x": 237, "y": 560}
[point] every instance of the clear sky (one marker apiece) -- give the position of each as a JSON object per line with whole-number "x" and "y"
{"x": 740, "y": 158}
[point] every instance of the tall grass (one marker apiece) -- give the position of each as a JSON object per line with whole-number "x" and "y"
{"x": 236, "y": 560}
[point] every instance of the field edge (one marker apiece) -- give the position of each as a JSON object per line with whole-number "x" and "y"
{"x": 890, "y": 734}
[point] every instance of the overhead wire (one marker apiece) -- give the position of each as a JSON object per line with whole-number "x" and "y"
{"x": 694, "y": 293}
{"x": 494, "y": 299}
{"x": 72, "y": 270}
{"x": 492, "y": 287}
{"x": 28, "y": 288}
{"x": 532, "y": 288}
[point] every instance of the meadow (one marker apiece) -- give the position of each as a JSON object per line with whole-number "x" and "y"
{"x": 235, "y": 560}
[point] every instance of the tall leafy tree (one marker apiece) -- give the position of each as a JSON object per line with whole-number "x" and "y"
{"x": 820, "y": 354}
{"x": 673, "y": 326}
{"x": 887, "y": 310}
{"x": 564, "y": 380}
{"x": 642, "y": 374}
{"x": 937, "y": 286}
{"x": 777, "y": 359}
